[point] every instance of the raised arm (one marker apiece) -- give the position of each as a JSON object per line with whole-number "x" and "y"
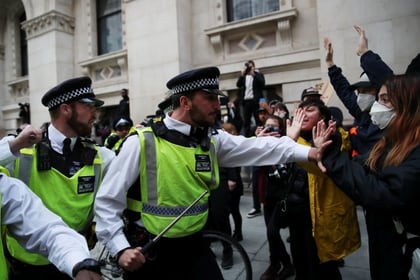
{"x": 376, "y": 69}
{"x": 340, "y": 83}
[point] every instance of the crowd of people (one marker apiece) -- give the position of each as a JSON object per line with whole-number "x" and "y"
{"x": 61, "y": 192}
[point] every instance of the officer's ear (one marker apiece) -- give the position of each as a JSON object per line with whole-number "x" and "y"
{"x": 66, "y": 109}
{"x": 185, "y": 102}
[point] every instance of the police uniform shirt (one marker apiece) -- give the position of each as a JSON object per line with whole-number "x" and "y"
{"x": 23, "y": 212}
{"x": 6, "y": 156}
{"x": 56, "y": 140}
{"x": 231, "y": 151}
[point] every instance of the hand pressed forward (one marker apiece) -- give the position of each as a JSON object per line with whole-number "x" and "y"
{"x": 321, "y": 135}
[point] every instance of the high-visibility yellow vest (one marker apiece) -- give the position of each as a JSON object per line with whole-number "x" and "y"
{"x": 70, "y": 198}
{"x": 117, "y": 146}
{"x": 171, "y": 178}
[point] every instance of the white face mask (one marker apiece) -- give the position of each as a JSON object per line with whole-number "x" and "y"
{"x": 365, "y": 101}
{"x": 381, "y": 115}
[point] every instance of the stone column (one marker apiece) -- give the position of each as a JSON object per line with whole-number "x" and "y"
{"x": 50, "y": 53}
{"x": 157, "y": 48}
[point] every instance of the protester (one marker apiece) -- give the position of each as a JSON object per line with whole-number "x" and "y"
{"x": 335, "y": 227}
{"x": 236, "y": 188}
{"x": 124, "y": 105}
{"x": 276, "y": 192}
{"x": 258, "y": 177}
{"x": 251, "y": 83}
{"x": 386, "y": 183}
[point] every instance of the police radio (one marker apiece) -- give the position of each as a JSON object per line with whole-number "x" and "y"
{"x": 43, "y": 152}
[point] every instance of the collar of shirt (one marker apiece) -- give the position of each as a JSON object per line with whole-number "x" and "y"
{"x": 57, "y": 138}
{"x": 174, "y": 124}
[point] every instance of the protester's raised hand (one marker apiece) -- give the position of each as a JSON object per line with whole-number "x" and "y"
{"x": 363, "y": 41}
{"x": 321, "y": 137}
{"x": 294, "y": 126}
{"x": 329, "y": 52}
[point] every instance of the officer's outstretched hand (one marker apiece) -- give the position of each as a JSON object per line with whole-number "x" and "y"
{"x": 131, "y": 259}
{"x": 26, "y": 138}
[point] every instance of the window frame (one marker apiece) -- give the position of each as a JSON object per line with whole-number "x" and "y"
{"x": 230, "y": 15}
{"x": 101, "y": 22}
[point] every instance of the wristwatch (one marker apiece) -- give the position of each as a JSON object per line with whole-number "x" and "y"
{"x": 88, "y": 264}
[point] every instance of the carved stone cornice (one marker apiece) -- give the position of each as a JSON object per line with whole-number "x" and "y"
{"x": 51, "y": 21}
{"x": 19, "y": 88}
{"x": 220, "y": 33}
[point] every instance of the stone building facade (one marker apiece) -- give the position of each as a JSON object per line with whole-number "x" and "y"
{"x": 140, "y": 44}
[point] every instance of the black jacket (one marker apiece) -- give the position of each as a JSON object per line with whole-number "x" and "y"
{"x": 390, "y": 192}
{"x": 365, "y": 134}
{"x": 289, "y": 181}
{"x": 233, "y": 174}
{"x": 257, "y": 86}
{"x": 376, "y": 69}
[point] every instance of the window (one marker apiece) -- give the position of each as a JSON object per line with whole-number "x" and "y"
{"x": 23, "y": 48}
{"x": 109, "y": 26}
{"x": 240, "y": 9}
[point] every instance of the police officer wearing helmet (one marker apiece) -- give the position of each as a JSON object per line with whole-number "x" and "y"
{"x": 175, "y": 160}
{"x": 122, "y": 128}
{"x": 61, "y": 165}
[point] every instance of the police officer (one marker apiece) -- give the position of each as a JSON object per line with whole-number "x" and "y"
{"x": 122, "y": 128}
{"x": 64, "y": 168}
{"x": 40, "y": 230}
{"x": 178, "y": 159}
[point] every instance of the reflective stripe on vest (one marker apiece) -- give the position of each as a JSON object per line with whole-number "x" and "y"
{"x": 171, "y": 182}
{"x": 43, "y": 184}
